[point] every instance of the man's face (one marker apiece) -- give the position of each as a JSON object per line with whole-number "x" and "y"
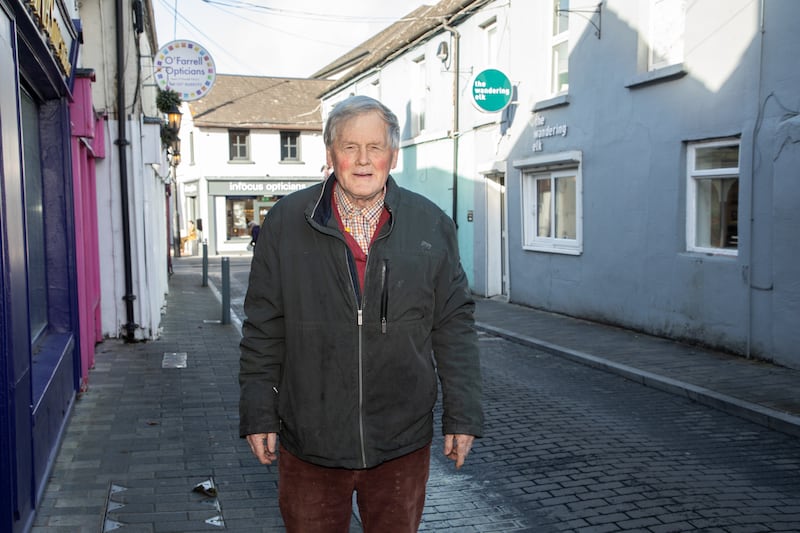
{"x": 362, "y": 157}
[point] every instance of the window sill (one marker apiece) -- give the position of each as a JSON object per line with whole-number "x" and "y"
{"x": 241, "y": 162}
{"x": 722, "y": 253}
{"x": 659, "y": 75}
{"x": 290, "y": 162}
{"x": 550, "y": 103}
{"x": 547, "y": 248}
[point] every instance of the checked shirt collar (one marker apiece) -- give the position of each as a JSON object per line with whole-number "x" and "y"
{"x": 359, "y": 222}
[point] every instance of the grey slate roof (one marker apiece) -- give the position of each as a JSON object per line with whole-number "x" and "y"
{"x": 258, "y": 102}
{"x": 395, "y": 39}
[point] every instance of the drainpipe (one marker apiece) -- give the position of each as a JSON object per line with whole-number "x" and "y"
{"x": 455, "y": 134}
{"x": 122, "y": 144}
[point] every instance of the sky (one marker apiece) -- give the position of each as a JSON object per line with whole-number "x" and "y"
{"x": 281, "y": 38}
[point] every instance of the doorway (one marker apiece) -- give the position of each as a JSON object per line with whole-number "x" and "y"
{"x": 496, "y": 236}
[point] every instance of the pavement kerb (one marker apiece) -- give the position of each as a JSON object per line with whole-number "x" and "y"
{"x": 771, "y": 418}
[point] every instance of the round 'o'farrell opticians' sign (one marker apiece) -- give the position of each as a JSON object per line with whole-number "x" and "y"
{"x": 491, "y": 90}
{"x": 186, "y": 68}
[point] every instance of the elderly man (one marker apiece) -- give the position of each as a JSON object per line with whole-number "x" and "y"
{"x": 357, "y": 307}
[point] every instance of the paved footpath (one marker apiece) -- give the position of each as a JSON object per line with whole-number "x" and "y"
{"x": 154, "y": 447}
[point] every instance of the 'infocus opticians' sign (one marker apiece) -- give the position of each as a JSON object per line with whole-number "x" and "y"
{"x": 256, "y": 188}
{"x": 186, "y": 68}
{"x": 491, "y": 91}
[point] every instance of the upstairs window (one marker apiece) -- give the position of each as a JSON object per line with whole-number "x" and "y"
{"x": 490, "y": 40}
{"x": 667, "y": 21}
{"x": 290, "y": 146}
{"x": 559, "y": 57}
{"x": 419, "y": 103}
{"x": 712, "y": 194}
{"x": 239, "y": 145}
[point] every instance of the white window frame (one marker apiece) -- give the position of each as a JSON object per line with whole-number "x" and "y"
{"x": 420, "y": 99}
{"x": 235, "y": 145}
{"x": 290, "y": 141}
{"x": 556, "y": 41}
{"x": 666, "y": 33}
{"x": 692, "y": 176}
{"x": 550, "y": 167}
{"x": 490, "y": 39}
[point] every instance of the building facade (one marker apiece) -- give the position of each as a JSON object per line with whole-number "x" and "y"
{"x": 40, "y": 363}
{"x": 249, "y": 142}
{"x": 61, "y": 145}
{"x": 120, "y": 44}
{"x": 638, "y": 175}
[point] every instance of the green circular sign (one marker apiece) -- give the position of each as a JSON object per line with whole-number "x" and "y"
{"x": 491, "y": 90}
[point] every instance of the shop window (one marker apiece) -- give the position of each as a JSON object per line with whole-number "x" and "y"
{"x": 240, "y": 213}
{"x": 551, "y": 210}
{"x": 559, "y": 56}
{"x": 290, "y": 146}
{"x": 712, "y": 194}
{"x": 34, "y": 217}
{"x": 239, "y": 145}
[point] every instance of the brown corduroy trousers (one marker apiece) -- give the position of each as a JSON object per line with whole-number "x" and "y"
{"x": 318, "y": 499}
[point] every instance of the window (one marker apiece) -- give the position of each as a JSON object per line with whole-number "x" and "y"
{"x": 559, "y": 60}
{"x": 666, "y": 33}
{"x": 551, "y": 210}
{"x": 290, "y": 146}
{"x": 420, "y": 98}
{"x": 34, "y": 217}
{"x": 490, "y": 40}
{"x": 712, "y": 194}
{"x": 239, "y": 143}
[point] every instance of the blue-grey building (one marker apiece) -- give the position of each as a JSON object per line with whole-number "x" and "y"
{"x": 656, "y": 185}
{"x": 642, "y": 172}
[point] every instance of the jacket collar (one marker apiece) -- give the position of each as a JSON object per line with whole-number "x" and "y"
{"x": 321, "y": 212}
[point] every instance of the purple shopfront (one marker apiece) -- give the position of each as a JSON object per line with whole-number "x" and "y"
{"x": 49, "y": 295}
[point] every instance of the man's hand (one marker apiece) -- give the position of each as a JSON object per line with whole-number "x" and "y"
{"x": 264, "y": 446}
{"x": 457, "y": 447}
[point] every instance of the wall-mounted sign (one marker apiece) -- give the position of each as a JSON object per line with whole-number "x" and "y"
{"x": 543, "y": 130}
{"x": 186, "y": 68}
{"x": 258, "y": 188}
{"x": 491, "y": 91}
{"x": 55, "y": 22}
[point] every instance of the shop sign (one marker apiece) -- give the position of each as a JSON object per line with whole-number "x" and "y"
{"x": 542, "y": 131}
{"x": 256, "y": 188}
{"x": 186, "y": 68}
{"x": 57, "y": 28}
{"x": 491, "y": 91}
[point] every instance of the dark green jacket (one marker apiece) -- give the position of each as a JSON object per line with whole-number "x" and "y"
{"x": 350, "y": 380}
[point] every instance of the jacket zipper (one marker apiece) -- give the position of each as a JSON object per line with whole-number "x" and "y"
{"x": 360, "y": 325}
{"x": 384, "y": 293}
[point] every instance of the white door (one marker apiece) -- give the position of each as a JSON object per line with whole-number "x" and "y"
{"x": 496, "y": 268}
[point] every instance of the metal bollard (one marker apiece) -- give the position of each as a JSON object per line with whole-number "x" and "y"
{"x": 205, "y": 263}
{"x": 226, "y": 290}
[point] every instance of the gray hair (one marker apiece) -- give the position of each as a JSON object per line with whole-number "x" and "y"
{"x": 357, "y": 105}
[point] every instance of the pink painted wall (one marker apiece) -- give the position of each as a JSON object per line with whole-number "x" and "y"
{"x": 87, "y": 145}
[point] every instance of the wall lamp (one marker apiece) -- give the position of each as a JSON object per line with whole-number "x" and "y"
{"x": 443, "y": 52}
{"x": 174, "y": 116}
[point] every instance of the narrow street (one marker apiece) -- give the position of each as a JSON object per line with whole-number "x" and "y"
{"x": 571, "y": 448}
